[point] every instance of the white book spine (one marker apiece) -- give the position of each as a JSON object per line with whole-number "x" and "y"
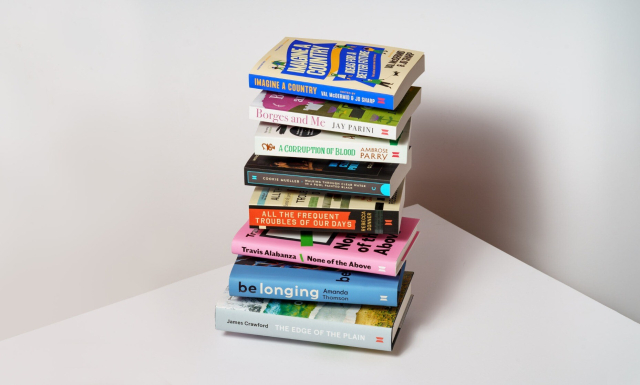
{"x": 323, "y": 123}
{"x": 320, "y": 149}
{"x": 304, "y": 329}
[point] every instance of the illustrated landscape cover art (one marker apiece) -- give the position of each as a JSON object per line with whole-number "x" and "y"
{"x": 369, "y": 315}
{"x": 373, "y": 75}
{"x": 275, "y": 207}
{"x": 340, "y": 176}
{"x": 381, "y": 254}
{"x": 282, "y": 108}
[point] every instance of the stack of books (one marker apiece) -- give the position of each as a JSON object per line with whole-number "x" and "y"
{"x": 322, "y": 257}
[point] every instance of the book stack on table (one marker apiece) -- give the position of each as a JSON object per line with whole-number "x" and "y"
{"x": 322, "y": 257}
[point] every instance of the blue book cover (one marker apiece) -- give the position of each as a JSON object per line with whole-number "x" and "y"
{"x": 347, "y": 72}
{"x": 264, "y": 278}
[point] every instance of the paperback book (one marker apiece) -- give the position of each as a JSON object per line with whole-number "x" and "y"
{"x": 265, "y": 278}
{"x": 276, "y": 207}
{"x": 336, "y": 176}
{"x": 368, "y": 253}
{"x": 363, "y": 326}
{"x": 302, "y": 111}
{"x": 355, "y": 73}
{"x": 301, "y": 142}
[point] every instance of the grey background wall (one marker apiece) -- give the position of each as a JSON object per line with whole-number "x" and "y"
{"x": 124, "y": 130}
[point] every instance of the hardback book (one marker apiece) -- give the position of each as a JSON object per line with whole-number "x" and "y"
{"x": 301, "y": 142}
{"x": 362, "y": 326}
{"x": 368, "y": 253}
{"x": 336, "y": 176}
{"x": 347, "y": 118}
{"x": 265, "y": 278}
{"x": 355, "y": 73}
{"x": 276, "y": 207}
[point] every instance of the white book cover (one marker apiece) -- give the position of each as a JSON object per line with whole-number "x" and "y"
{"x": 303, "y": 111}
{"x": 302, "y": 142}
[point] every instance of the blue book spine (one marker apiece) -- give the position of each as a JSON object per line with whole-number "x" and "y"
{"x": 338, "y": 94}
{"x": 263, "y": 278}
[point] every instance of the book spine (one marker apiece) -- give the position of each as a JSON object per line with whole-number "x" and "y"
{"x": 297, "y": 181}
{"x": 345, "y": 220}
{"x": 274, "y": 146}
{"x": 323, "y": 123}
{"x": 331, "y": 259}
{"x": 303, "y": 329}
{"x": 338, "y": 94}
{"x": 310, "y": 285}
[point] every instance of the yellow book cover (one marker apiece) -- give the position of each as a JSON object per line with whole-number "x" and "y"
{"x": 363, "y": 74}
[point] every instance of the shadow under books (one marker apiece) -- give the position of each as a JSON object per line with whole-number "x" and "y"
{"x": 434, "y": 282}
{"x": 474, "y": 169}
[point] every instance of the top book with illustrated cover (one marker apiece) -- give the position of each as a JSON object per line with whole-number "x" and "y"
{"x": 364, "y": 74}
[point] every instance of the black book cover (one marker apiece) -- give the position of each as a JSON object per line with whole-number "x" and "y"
{"x": 337, "y": 176}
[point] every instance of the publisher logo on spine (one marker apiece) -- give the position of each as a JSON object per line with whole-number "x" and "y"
{"x": 268, "y": 147}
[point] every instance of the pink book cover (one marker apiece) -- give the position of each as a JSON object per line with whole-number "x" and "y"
{"x": 369, "y": 253}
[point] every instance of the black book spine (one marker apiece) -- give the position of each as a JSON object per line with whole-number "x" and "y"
{"x": 328, "y": 183}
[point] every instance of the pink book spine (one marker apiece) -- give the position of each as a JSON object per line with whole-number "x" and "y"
{"x": 368, "y": 253}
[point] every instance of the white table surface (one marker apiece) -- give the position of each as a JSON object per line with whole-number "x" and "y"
{"x": 479, "y": 316}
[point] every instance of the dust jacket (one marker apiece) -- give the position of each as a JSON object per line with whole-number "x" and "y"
{"x": 302, "y": 111}
{"x": 275, "y": 207}
{"x": 267, "y": 278}
{"x": 301, "y": 142}
{"x": 336, "y": 176}
{"x": 382, "y": 254}
{"x": 365, "y": 74}
{"x": 362, "y": 326}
